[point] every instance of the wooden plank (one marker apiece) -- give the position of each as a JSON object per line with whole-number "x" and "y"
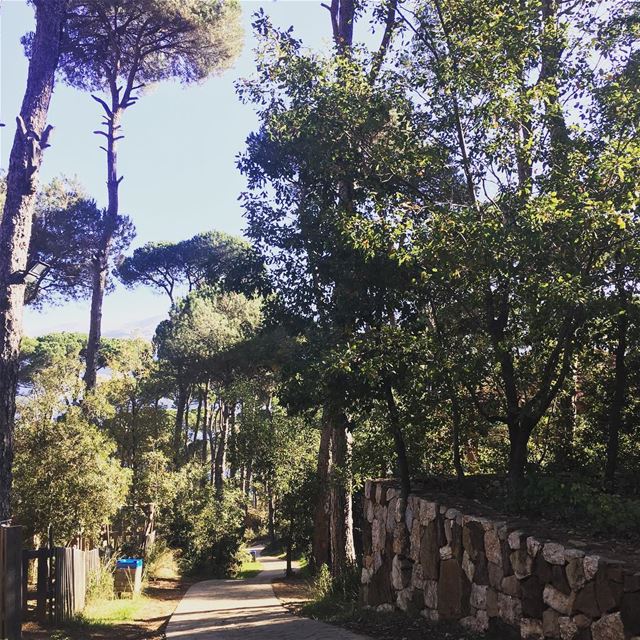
{"x": 42, "y": 588}
{"x": 12, "y": 571}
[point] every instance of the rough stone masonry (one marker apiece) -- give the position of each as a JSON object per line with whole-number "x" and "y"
{"x": 447, "y": 565}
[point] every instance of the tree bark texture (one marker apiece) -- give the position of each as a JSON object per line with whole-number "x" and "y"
{"x": 101, "y": 259}
{"x": 320, "y": 543}
{"x": 221, "y": 451}
{"x": 30, "y": 140}
{"x": 343, "y": 552}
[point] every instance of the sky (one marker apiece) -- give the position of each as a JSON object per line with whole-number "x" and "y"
{"x": 177, "y": 159}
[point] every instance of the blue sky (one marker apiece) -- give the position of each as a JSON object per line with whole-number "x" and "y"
{"x": 178, "y": 157}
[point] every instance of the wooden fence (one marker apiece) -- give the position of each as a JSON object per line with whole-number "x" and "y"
{"x": 62, "y": 580}
{"x": 10, "y": 583}
{"x": 73, "y": 569}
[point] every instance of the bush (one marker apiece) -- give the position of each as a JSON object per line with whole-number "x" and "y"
{"x": 577, "y": 502}
{"x": 215, "y": 535}
{"x": 100, "y": 584}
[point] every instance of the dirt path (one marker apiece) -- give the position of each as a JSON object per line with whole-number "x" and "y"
{"x": 245, "y": 610}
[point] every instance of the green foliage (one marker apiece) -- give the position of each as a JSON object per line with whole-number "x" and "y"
{"x": 65, "y": 475}
{"x": 150, "y": 41}
{"x": 579, "y": 503}
{"x": 100, "y": 584}
{"x": 215, "y": 259}
{"x": 67, "y": 234}
{"x": 215, "y": 534}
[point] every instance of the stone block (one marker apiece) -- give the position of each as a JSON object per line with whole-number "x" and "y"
{"x": 557, "y": 600}
{"x": 590, "y": 566}
{"x": 581, "y": 621}
{"x": 453, "y": 591}
{"x": 401, "y": 570}
{"x": 492, "y": 603}
{"x": 608, "y": 592}
{"x": 609, "y": 627}
{"x": 401, "y": 542}
{"x": 542, "y": 569}
{"x": 559, "y": 579}
{"x": 430, "y": 551}
{"x": 446, "y": 553}
{"x": 478, "y": 597}
{"x": 531, "y": 629}
{"x": 379, "y": 494}
{"x": 408, "y": 517}
{"x": 417, "y": 577}
{"x": 533, "y": 546}
{"x": 495, "y": 575}
{"x": 509, "y": 609}
{"x": 511, "y": 586}
{"x": 481, "y": 573}
{"x": 431, "y": 594}
{"x": 391, "y": 514}
{"x": 553, "y": 553}
{"x": 586, "y": 602}
{"x": 473, "y": 539}
{"x": 521, "y": 562}
{"x": 516, "y": 540}
{"x": 367, "y": 489}
{"x": 378, "y": 534}
{"x": 568, "y": 628}
{"x": 414, "y": 541}
{"x": 478, "y": 623}
{"x": 550, "y": 624}
{"x": 428, "y": 511}
{"x": 493, "y": 547}
{"x": 467, "y": 566}
{"x": 430, "y": 614}
{"x": 575, "y": 574}
{"x": 532, "y": 603}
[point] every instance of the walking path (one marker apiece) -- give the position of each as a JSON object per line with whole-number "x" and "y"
{"x": 245, "y": 610}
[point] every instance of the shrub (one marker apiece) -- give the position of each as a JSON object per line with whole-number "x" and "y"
{"x": 215, "y": 535}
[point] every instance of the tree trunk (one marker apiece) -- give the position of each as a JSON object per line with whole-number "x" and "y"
{"x": 289, "y": 555}
{"x": 221, "y": 456}
{"x": 320, "y": 543}
{"x": 619, "y": 391}
{"x": 398, "y": 439}
{"x": 110, "y": 223}
{"x": 518, "y": 450}
{"x": 272, "y": 511}
{"x": 341, "y": 514}
{"x": 30, "y": 140}
{"x": 181, "y": 401}
{"x": 456, "y": 421}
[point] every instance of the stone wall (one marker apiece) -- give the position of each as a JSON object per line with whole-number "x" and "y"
{"x": 449, "y": 564}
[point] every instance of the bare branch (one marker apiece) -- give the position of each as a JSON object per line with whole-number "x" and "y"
{"x": 105, "y": 106}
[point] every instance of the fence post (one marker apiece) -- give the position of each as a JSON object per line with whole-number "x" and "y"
{"x": 10, "y": 583}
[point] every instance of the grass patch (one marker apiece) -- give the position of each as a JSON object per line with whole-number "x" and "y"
{"x": 109, "y": 612}
{"x": 249, "y": 569}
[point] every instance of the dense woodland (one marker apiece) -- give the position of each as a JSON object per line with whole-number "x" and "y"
{"x": 439, "y": 277}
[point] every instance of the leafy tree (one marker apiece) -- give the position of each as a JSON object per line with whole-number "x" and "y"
{"x": 195, "y": 349}
{"x": 121, "y": 46}
{"x": 31, "y": 139}
{"x": 65, "y": 476}
{"x": 213, "y": 258}
{"x": 69, "y": 237}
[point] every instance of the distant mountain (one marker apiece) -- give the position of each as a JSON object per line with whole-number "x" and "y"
{"x": 143, "y": 328}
